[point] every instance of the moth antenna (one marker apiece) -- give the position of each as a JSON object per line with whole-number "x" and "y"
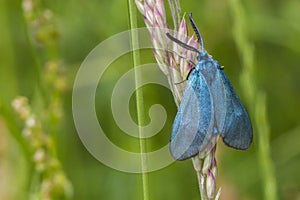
{"x": 199, "y": 36}
{"x": 188, "y": 47}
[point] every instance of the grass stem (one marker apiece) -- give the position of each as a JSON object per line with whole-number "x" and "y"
{"x": 256, "y": 100}
{"x": 139, "y": 94}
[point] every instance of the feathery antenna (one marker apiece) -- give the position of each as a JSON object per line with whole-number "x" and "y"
{"x": 199, "y": 36}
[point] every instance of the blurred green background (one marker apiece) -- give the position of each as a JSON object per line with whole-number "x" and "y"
{"x": 274, "y": 30}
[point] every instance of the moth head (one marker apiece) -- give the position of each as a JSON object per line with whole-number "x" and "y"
{"x": 202, "y": 56}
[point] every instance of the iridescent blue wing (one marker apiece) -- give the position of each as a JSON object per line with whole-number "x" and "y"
{"x": 237, "y": 129}
{"x": 190, "y": 132}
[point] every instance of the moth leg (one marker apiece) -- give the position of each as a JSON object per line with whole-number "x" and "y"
{"x": 180, "y": 82}
{"x": 187, "y": 77}
{"x": 190, "y": 61}
{"x": 185, "y": 58}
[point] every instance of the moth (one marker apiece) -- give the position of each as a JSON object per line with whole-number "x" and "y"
{"x": 209, "y": 108}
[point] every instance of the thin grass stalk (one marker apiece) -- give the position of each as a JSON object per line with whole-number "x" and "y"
{"x": 41, "y": 88}
{"x": 42, "y": 31}
{"x": 257, "y": 104}
{"x": 51, "y": 180}
{"x": 139, "y": 95}
{"x": 268, "y": 172}
{"x": 7, "y": 113}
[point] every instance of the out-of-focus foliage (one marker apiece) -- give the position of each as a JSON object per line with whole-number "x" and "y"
{"x": 274, "y": 29}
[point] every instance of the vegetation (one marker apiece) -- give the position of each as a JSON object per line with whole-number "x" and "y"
{"x": 42, "y": 48}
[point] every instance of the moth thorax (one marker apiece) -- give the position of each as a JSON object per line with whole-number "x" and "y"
{"x": 208, "y": 69}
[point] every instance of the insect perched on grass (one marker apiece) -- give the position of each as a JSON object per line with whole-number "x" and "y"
{"x": 209, "y": 108}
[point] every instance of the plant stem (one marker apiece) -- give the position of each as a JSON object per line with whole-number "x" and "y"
{"x": 139, "y": 94}
{"x": 198, "y": 164}
{"x": 8, "y": 116}
{"x": 201, "y": 180}
{"x": 256, "y": 100}
{"x": 264, "y": 148}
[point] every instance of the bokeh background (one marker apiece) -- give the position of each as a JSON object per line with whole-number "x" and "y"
{"x": 76, "y": 27}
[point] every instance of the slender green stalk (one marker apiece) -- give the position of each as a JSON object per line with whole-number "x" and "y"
{"x": 139, "y": 94}
{"x": 264, "y": 147}
{"x": 9, "y": 118}
{"x": 256, "y": 103}
{"x": 37, "y": 67}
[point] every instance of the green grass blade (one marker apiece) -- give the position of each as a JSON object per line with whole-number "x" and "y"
{"x": 139, "y": 94}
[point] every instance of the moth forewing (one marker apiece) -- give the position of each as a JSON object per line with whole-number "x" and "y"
{"x": 192, "y": 127}
{"x": 212, "y": 76}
